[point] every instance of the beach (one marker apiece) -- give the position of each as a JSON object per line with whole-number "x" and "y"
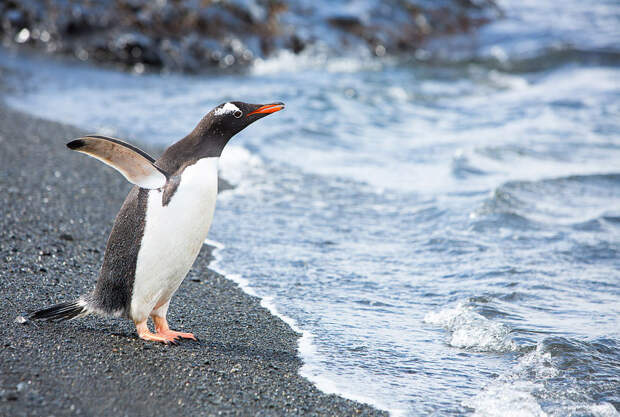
{"x": 57, "y": 211}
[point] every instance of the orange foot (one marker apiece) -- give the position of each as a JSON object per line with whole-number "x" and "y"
{"x": 164, "y": 337}
{"x": 162, "y": 329}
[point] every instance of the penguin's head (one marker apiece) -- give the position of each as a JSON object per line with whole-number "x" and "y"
{"x": 234, "y": 116}
{"x": 218, "y": 126}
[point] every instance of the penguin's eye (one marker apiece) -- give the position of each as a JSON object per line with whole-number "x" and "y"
{"x": 238, "y": 113}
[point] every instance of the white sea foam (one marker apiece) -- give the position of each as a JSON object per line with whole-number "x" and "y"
{"x": 236, "y": 163}
{"x": 508, "y": 399}
{"x": 314, "y": 59}
{"x": 470, "y": 330}
{"x": 512, "y": 394}
{"x": 523, "y": 392}
{"x": 215, "y": 244}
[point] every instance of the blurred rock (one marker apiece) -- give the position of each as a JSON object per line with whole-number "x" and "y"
{"x": 195, "y": 35}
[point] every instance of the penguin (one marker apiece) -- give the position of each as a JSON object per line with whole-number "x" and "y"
{"x": 162, "y": 223}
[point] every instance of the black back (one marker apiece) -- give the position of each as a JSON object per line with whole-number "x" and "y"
{"x": 116, "y": 278}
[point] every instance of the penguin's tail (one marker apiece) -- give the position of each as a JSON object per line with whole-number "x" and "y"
{"x": 62, "y": 311}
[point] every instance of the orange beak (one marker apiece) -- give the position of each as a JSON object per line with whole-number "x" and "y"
{"x": 268, "y": 108}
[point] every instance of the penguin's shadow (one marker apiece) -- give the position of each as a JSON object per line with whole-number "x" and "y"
{"x": 109, "y": 330}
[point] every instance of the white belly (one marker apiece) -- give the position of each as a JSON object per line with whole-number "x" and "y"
{"x": 173, "y": 236}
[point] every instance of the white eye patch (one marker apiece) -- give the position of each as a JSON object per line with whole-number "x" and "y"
{"x": 226, "y": 108}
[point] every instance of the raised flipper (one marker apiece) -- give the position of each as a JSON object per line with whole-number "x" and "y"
{"x": 135, "y": 165}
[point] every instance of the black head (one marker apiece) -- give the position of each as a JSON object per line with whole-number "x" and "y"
{"x": 234, "y": 116}
{"x": 215, "y": 130}
{"x": 228, "y": 119}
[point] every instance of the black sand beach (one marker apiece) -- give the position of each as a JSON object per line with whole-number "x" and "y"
{"x": 57, "y": 210}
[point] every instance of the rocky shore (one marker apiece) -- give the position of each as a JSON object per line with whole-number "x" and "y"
{"x": 194, "y": 36}
{"x": 57, "y": 210}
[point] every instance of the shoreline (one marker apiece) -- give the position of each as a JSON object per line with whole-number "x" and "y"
{"x": 58, "y": 210}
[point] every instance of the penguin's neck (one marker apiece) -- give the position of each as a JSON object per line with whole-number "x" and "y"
{"x": 199, "y": 144}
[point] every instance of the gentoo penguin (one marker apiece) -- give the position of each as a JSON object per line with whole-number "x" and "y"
{"x": 163, "y": 222}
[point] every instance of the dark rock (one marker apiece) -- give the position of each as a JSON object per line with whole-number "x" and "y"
{"x": 191, "y": 35}
{"x": 296, "y": 44}
{"x": 8, "y": 395}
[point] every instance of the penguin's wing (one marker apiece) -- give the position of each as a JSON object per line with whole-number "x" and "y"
{"x": 135, "y": 165}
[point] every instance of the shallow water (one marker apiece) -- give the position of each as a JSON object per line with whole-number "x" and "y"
{"x": 446, "y": 233}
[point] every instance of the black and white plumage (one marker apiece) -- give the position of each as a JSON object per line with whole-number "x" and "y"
{"x": 163, "y": 222}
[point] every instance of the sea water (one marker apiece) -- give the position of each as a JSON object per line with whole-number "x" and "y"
{"x": 444, "y": 232}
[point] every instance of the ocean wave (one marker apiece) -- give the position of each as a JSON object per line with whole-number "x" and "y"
{"x": 570, "y": 200}
{"x": 470, "y": 330}
{"x": 560, "y": 377}
{"x": 502, "y": 58}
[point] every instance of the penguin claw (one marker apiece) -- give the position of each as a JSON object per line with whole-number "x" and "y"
{"x": 174, "y": 335}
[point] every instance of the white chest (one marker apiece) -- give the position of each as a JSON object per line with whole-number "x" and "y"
{"x": 173, "y": 236}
